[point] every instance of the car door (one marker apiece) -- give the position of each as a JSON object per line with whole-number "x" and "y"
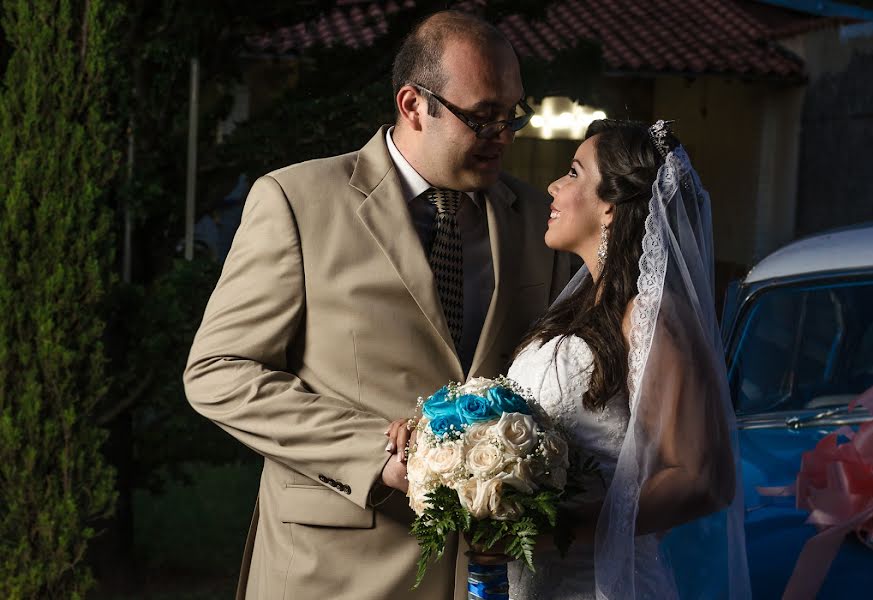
{"x": 799, "y": 353}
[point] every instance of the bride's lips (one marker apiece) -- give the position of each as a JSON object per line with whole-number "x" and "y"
{"x": 554, "y": 215}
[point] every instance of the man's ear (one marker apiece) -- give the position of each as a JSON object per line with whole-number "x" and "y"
{"x": 411, "y": 106}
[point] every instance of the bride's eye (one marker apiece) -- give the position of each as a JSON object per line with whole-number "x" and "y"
{"x": 572, "y": 172}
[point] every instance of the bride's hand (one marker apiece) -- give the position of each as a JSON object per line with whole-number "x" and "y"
{"x": 400, "y": 438}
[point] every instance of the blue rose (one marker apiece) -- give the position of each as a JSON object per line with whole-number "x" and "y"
{"x": 439, "y": 405}
{"x": 443, "y": 424}
{"x": 440, "y": 394}
{"x": 474, "y": 409}
{"x": 505, "y": 400}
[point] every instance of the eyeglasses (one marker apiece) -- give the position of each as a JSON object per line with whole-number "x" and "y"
{"x": 492, "y": 129}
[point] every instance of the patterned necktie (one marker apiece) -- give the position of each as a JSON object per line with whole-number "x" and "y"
{"x": 447, "y": 259}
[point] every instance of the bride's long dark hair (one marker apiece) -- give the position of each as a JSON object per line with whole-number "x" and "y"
{"x": 628, "y": 163}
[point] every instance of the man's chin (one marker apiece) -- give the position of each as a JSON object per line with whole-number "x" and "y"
{"x": 482, "y": 179}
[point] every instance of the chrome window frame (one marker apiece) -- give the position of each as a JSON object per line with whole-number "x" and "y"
{"x": 746, "y": 295}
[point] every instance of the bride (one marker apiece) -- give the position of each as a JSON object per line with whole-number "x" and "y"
{"x": 629, "y": 363}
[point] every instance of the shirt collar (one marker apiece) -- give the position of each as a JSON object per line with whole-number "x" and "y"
{"x": 413, "y": 184}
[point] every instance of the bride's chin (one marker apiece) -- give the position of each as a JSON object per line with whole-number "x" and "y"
{"x": 552, "y": 243}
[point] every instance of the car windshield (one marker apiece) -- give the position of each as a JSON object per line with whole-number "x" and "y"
{"x": 804, "y": 347}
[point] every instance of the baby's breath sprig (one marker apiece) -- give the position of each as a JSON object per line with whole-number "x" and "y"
{"x": 452, "y": 389}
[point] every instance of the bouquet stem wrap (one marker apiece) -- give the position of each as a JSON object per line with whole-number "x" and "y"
{"x": 487, "y": 582}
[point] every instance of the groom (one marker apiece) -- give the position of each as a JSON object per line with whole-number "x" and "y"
{"x": 356, "y": 284}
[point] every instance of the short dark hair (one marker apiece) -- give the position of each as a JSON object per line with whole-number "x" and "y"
{"x": 419, "y": 59}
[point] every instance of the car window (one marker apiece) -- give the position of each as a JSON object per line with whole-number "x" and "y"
{"x": 803, "y": 347}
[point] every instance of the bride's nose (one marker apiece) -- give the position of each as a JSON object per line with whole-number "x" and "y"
{"x": 554, "y": 188}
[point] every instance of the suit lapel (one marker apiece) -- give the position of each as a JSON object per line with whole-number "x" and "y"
{"x": 502, "y": 230}
{"x": 385, "y": 214}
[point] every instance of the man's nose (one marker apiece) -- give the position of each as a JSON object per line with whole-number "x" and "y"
{"x": 505, "y": 137}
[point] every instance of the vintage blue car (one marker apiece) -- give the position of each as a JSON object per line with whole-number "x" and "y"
{"x": 798, "y": 333}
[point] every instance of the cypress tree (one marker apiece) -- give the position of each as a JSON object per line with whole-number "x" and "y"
{"x": 56, "y": 163}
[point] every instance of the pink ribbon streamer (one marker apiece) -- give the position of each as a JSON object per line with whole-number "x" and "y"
{"x": 835, "y": 484}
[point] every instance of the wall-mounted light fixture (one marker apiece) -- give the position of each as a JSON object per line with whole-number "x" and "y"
{"x": 558, "y": 117}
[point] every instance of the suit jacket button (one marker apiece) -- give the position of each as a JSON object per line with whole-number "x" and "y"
{"x": 322, "y": 478}
{"x": 347, "y": 489}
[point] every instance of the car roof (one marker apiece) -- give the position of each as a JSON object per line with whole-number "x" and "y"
{"x": 845, "y": 249}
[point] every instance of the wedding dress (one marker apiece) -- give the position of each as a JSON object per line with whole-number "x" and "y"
{"x": 559, "y": 380}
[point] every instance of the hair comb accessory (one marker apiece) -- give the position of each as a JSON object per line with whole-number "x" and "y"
{"x": 659, "y": 133}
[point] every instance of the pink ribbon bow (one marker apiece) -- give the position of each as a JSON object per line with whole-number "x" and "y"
{"x": 835, "y": 484}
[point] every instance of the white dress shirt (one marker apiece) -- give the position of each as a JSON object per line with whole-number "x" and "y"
{"x": 473, "y": 223}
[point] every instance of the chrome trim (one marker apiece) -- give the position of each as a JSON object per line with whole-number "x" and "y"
{"x": 748, "y": 292}
{"x": 832, "y": 417}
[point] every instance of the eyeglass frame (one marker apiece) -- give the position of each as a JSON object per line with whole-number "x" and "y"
{"x": 478, "y": 127}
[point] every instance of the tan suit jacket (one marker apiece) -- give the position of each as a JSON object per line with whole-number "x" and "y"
{"x": 324, "y": 326}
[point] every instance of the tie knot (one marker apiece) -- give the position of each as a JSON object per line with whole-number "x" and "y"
{"x": 446, "y": 201}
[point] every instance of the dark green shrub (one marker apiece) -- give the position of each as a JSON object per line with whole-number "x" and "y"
{"x": 57, "y": 161}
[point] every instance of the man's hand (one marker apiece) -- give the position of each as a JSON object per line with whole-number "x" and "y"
{"x": 394, "y": 475}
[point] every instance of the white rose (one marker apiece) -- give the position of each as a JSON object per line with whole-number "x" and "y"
{"x": 485, "y": 459}
{"x": 490, "y": 502}
{"x": 520, "y": 476}
{"x": 475, "y": 433}
{"x": 488, "y": 495}
{"x": 484, "y": 499}
{"x": 446, "y": 460}
{"x": 418, "y": 471}
{"x": 467, "y": 494}
{"x": 555, "y": 451}
{"x": 476, "y": 386}
{"x": 417, "y": 495}
{"x": 517, "y": 433}
{"x": 507, "y": 510}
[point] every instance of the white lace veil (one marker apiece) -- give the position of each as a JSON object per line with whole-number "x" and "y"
{"x": 681, "y": 439}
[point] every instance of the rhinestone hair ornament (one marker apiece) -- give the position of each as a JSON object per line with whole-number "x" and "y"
{"x": 658, "y": 133}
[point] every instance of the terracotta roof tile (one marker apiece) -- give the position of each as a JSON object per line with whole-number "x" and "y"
{"x": 730, "y": 37}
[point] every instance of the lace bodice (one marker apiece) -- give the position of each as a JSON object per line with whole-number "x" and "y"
{"x": 558, "y": 373}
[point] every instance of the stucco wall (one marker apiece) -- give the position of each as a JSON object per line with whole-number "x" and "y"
{"x": 742, "y": 138}
{"x": 835, "y": 181}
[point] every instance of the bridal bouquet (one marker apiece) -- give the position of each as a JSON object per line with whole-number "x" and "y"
{"x": 485, "y": 463}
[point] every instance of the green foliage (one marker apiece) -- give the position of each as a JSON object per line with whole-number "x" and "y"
{"x": 57, "y": 159}
{"x": 444, "y": 515}
{"x": 168, "y": 312}
{"x": 313, "y": 127}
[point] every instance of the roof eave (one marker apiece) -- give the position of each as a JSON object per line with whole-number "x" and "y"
{"x": 788, "y": 80}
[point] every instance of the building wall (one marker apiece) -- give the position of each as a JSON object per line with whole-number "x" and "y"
{"x": 835, "y": 182}
{"x": 742, "y": 139}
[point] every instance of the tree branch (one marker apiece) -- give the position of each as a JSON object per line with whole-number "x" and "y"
{"x": 131, "y": 399}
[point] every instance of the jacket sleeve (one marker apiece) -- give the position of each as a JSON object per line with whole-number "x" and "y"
{"x": 238, "y": 373}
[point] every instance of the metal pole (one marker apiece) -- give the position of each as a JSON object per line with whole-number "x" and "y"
{"x": 192, "y": 160}
{"x": 128, "y": 218}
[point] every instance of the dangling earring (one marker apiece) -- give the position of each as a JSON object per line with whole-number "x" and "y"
{"x": 601, "y": 249}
